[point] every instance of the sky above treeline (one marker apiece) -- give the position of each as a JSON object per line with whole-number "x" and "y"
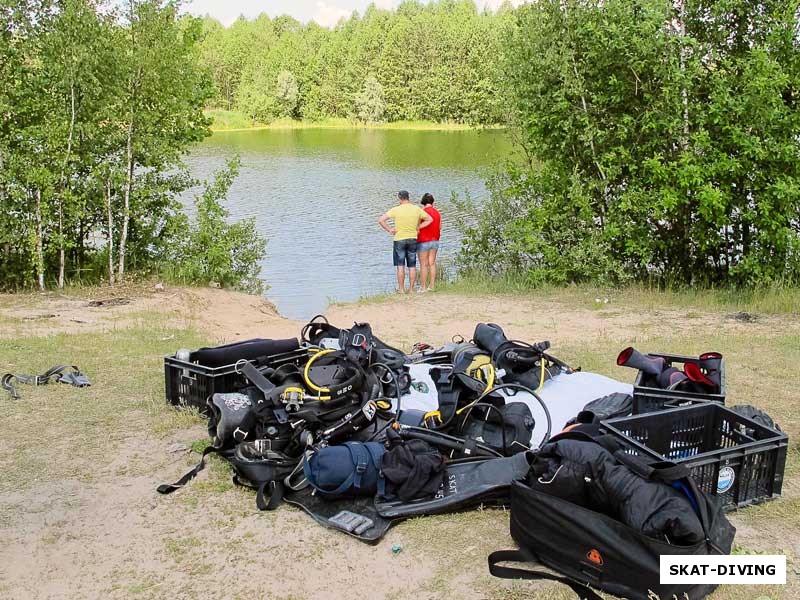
{"x": 324, "y": 12}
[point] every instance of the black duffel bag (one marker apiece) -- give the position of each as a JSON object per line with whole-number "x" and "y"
{"x": 255, "y": 349}
{"x": 592, "y": 549}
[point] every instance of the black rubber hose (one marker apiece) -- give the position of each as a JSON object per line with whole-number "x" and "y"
{"x": 397, "y": 395}
{"x": 438, "y": 438}
{"x": 309, "y": 325}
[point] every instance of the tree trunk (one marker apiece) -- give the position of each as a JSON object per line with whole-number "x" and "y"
{"x": 110, "y": 215}
{"x": 681, "y": 7}
{"x": 126, "y": 197}
{"x": 129, "y": 162}
{"x": 61, "y": 256}
{"x": 61, "y": 252}
{"x": 39, "y": 246}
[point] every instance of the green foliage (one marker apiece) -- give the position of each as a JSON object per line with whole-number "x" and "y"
{"x": 97, "y": 107}
{"x": 436, "y": 61}
{"x": 370, "y": 102}
{"x": 661, "y": 143}
{"x": 209, "y": 249}
{"x": 287, "y": 93}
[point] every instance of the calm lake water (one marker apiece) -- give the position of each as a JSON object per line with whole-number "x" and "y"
{"x": 317, "y": 194}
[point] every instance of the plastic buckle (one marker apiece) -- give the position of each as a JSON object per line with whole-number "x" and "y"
{"x": 75, "y": 378}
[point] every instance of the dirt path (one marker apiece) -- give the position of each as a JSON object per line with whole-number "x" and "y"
{"x": 87, "y": 524}
{"x": 435, "y": 318}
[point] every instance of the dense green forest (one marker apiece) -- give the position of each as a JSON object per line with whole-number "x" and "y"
{"x": 436, "y": 61}
{"x": 98, "y": 103}
{"x": 658, "y": 138}
{"x": 661, "y": 142}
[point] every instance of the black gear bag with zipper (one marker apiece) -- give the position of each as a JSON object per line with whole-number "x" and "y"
{"x": 593, "y": 550}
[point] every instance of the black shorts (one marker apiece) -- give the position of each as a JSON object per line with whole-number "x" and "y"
{"x": 405, "y": 253}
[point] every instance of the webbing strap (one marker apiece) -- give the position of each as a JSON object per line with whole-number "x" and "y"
{"x": 267, "y": 387}
{"x": 75, "y": 378}
{"x": 269, "y": 495}
{"x": 448, "y": 397}
{"x": 8, "y": 386}
{"x": 663, "y": 471}
{"x": 168, "y": 488}
{"x": 583, "y": 591}
{"x": 360, "y": 459}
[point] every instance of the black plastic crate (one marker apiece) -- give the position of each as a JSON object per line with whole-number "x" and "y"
{"x": 648, "y": 399}
{"x": 729, "y": 456}
{"x": 649, "y": 402}
{"x": 191, "y": 384}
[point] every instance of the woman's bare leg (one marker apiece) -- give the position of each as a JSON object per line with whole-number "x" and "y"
{"x": 432, "y": 268}
{"x": 423, "y": 266}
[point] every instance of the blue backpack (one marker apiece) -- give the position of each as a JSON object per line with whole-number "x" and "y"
{"x": 352, "y": 469}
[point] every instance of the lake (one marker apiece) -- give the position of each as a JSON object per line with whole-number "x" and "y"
{"x": 317, "y": 194}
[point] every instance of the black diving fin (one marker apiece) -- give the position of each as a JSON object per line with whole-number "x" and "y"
{"x": 465, "y": 484}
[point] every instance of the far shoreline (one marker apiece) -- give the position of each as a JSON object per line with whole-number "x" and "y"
{"x": 225, "y": 121}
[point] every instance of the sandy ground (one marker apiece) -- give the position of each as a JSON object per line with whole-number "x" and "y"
{"x": 67, "y": 539}
{"x": 404, "y": 320}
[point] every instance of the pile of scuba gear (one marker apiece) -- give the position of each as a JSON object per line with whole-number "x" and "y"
{"x": 329, "y": 423}
{"x": 321, "y": 422}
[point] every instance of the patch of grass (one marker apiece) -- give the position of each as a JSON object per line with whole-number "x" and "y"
{"x": 230, "y": 120}
{"x": 181, "y": 549}
{"x": 126, "y": 397}
{"x": 775, "y": 300}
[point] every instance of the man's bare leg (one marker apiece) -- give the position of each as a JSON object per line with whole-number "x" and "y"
{"x": 401, "y": 280}
{"x": 412, "y": 278}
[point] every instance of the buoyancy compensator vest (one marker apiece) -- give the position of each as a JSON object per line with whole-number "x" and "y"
{"x": 520, "y": 362}
{"x": 506, "y": 428}
{"x": 362, "y": 347}
{"x": 473, "y": 367}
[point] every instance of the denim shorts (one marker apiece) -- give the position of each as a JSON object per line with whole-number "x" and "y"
{"x": 405, "y": 253}
{"x": 425, "y": 246}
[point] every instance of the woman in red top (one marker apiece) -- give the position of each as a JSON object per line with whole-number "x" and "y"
{"x": 428, "y": 245}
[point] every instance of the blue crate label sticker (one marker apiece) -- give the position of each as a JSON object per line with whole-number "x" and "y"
{"x": 725, "y": 480}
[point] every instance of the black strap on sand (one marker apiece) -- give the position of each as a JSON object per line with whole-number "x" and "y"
{"x": 168, "y": 488}
{"x": 269, "y": 494}
{"x": 583, "y": 591}
{"x": 74, "y": 377}
{"x": 267, "y": 387}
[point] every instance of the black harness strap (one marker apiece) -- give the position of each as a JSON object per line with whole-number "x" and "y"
{"x": 448, "y": 395}
{"x": 269, "y": 494}
{"x": 583, "y": 591}
{"x": 8, "y": 386}
{"x": 267, "y": 387}
{"x": 168, "y": 488}
{"x": 75, "y": 377}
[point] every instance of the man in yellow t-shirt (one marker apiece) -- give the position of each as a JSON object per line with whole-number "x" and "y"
{"x": 408, "y": 220}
